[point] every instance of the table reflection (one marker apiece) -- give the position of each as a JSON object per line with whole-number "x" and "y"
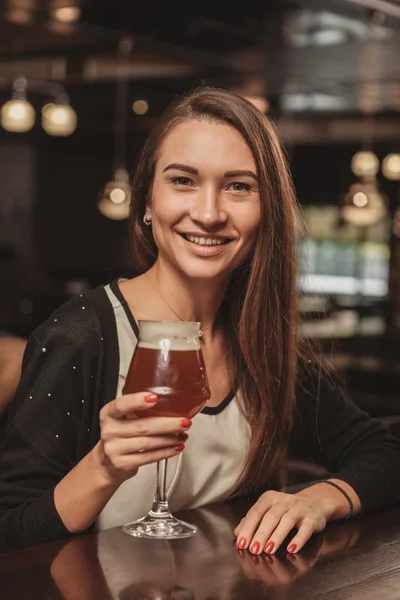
{"x": 205, "y": 567}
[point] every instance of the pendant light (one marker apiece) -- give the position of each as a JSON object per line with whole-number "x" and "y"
{"x": 114, "y": 198}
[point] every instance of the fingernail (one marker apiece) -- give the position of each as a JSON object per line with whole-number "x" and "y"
{"x": 186, "y": 423}
{"x": 182, "y": 436}
{"x": 269, "y": 547}
{"x": 255, "y": 548}
{"x": 292, "y": 548}
{"x": 241, "y": 544}
{"x": 179, "y": 447}
{"x": 255, "y": 560}
{"x": 151, "y": 398}
{"x": 291, "y": 557}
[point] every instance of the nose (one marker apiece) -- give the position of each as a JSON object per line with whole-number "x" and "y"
{"x": 207, "y": 208}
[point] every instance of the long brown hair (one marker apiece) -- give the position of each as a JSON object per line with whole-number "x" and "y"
{"x": 259, "y": 313}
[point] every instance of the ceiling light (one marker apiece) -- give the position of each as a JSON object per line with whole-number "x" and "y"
{"x": 391, "y": 167}
{"x": 67, "y": 14}
{"x": 46, "y": 106}
{"x": 59, "y": 119}
{"x": 365, "y": 164}
{"x": 17, "y": 115}
{"x": 140, "y": 107}
{"x": 360, "y": 199}
{"x": 115, "y": 196}
{"x": 118, "y": 195}
{"x": 364, "y": 204}
{"x": 115, "y": 212}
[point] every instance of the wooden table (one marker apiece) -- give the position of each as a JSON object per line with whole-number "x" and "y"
{"x": 350, "y": 560}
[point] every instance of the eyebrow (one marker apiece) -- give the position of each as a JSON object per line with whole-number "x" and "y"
{"x": 227, "y": 175}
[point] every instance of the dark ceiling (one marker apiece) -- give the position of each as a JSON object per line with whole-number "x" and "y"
{"x": 309, "y": 58}
{"x": 325, "y": 67}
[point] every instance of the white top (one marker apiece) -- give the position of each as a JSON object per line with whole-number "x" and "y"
{"x": 205, "y": 472}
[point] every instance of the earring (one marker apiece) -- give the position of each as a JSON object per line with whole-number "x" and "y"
{"x": 146, "y": 221}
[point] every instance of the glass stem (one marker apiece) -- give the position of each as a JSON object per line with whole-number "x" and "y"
{"x": 160, "y": 508}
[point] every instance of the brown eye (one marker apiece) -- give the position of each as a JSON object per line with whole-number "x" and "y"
{"x": 181, "y": 181}
{"x": 240, "y": 186}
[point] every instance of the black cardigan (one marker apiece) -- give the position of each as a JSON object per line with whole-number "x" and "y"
{"x": 70, "y": 370}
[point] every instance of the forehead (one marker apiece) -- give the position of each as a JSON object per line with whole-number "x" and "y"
{"x": 205, "y": 145}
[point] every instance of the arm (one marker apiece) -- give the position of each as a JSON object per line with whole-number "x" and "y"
{"x": 44, "y": 438}
{"x": 360, "y": 454}
{"x": 53, "y": 480}
{"x": 127, "y": 441}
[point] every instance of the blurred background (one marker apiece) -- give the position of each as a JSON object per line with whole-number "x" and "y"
{"x": 81, "y": 84}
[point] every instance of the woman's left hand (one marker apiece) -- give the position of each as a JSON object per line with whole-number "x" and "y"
{"x": 272, "y": 518}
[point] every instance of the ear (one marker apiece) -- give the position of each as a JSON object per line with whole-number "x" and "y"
{"x": 147, "y": 214}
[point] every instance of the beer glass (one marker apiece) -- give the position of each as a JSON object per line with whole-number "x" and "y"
{"x": 167, "y": 361}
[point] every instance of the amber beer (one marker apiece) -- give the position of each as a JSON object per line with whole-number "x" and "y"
{"x": 170, "y": 364}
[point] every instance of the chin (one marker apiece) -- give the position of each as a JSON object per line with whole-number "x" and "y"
{"x": 204, "y": 271}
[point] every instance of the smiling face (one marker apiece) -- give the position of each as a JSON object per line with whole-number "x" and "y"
{"x": 205, "y": 205}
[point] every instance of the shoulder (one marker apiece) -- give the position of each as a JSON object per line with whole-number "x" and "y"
{"x": 316, "y": 382}
{"x": 78, "y": 321}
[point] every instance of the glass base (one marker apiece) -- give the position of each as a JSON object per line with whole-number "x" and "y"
{"x": 166, "y": 528}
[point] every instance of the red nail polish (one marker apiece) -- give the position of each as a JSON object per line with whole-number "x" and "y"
{"x": 292, "y": 548}
{"x": 186, "y": 423}
{"x": 241, "y": 544}
{"x": 179, "y": 447}
{"x": 182, "y": 436}
{"x": 269, "y": 547}
{"x": 255, "y": 548}
{"x": 151, "y": 398}
{"x": 291, "y": 557}
{"x": 255, "y": 559}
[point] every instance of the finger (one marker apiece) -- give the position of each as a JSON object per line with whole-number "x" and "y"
{"x": 270, "y": 502}
{"x": 246, "y": 535}
{"x": 238, "y": 527}
{"x": 130, "y": 463}
{"x": 270, "y": 539}
{"x": 128, "y": 446}
{"x": 304, "y": 533}
{"x": 125, "y": 405}
{"x": 145, "y": 458}
{"x": 128, "y": 428}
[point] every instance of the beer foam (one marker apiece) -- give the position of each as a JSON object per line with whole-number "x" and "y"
{"x": 169, "y": 335}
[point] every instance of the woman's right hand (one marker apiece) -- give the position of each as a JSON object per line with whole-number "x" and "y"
{"x": 129, "y": 439}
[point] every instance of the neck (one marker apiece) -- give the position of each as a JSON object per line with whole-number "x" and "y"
{"x": 190, "y": 299}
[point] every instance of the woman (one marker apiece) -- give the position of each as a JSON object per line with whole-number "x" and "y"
{"x": 212, "y": 223}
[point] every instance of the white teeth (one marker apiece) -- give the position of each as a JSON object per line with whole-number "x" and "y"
{"x": 204, "y": 241}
